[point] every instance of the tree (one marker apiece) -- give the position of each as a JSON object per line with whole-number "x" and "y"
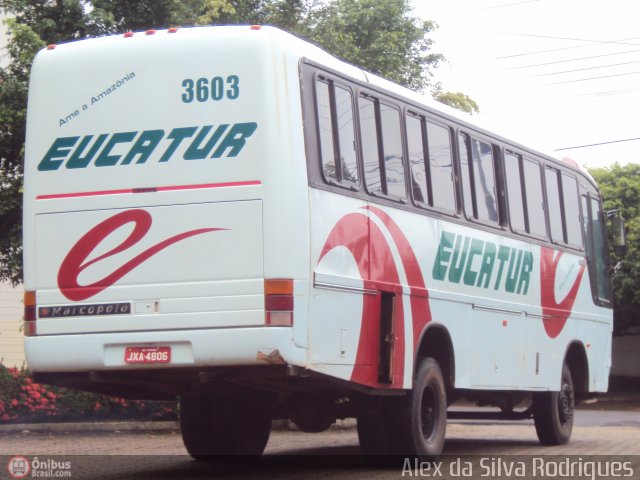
{"x": 380, "y": 36}
{"x": 457, "y": 100}
{"x": 620, "y": 188}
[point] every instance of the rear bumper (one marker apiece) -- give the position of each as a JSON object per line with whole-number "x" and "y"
{"x": 189, "y": 348}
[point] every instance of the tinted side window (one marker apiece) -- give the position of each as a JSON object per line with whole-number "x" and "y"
{"x": 325, "y": 127}
{"x": 392, "y": 149}
{"x": 553, "y": 198}
{"x": 441, "y": 167}
{"x": 571, "y": 210}
{"x": 369, "y": 136}
{"x": 600, "y": 252}
{"x": 417, "y": 165}
{"x": 334, "y": 106}
{"x": 346, "y": 136}
{"x": 517, "y": 213}
{"x": 478, "y": 179}
{"x": 534, "y": 197}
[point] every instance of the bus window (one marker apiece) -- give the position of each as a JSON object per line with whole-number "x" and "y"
{"x": 553, "y": 198}
{"x": 325, "y": 127}
{"x": 346, "y": 137}
{"x": 571, "y": 210}
{"x": 417, "y": 165}
{"x": 336, "y": 130}
{"x": 392, "y": 149}
{"x": 476, "y": 158}
{"x": 441, "y": 167}
{"x": 562, "y": 190}
{"x": 517, "y": 213}
{"x": 534, "y": 197}
{"x": 369, "y": 136}
{"x": 524, "y": 186}
{"x": 600, "y": 253}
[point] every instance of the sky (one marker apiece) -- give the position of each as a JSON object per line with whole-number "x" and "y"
{"x": 551, "y": 74}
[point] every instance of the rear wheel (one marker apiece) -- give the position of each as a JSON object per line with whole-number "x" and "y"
{"x": 213, "y": 426}
{"x": 553, "y": 412}
{"x": 422, "y": 416}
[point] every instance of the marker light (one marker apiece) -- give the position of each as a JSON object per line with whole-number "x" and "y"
{"x": 51, "y": 47}
{"x": 30, "y": 313}
{"x": 278, "y": 302}
{"x": 172, "y": 30}
{"x": 255, "y": 27}
{"x": 150, "y": 32}
{"x": 128, "y": 35}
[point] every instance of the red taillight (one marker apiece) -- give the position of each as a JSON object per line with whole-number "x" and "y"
{"x": 30, "y": 310}
{"x": 278, "y": 302}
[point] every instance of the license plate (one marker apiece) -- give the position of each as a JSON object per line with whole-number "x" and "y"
{"x": 147, "y": 355}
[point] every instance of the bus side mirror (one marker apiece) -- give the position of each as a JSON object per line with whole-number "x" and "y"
{"x": 619, "y": 234}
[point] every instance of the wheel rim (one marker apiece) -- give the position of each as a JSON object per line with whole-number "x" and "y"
{"x": 429, "y": 413}
{"x": 565, "y": 403}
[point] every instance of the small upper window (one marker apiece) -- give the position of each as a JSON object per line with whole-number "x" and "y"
{"x": 392, "y": 148}
{"x": 535, "y": 198}
{"x": 441, "y": 167}
{"x": 571, "y": 210}
{"x": 524, "y": 189}
{"x": 334, "y": 105}
{"x": 417, "y": 161}
{"x": 382, "y": 148}
{"x": 478, "y": 179}
{"x": 565, "y": 223}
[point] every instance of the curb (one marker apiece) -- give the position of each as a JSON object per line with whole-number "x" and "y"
{"x": 90, "y": 427}
{"x": 118, "y": 427}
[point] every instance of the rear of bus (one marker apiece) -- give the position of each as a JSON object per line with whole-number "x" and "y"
{"x": 158, "y": 211}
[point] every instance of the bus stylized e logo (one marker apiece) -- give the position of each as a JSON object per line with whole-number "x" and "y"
{"x": 76, "y": 260}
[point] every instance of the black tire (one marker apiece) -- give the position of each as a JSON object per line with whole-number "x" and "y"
{"x": 553, "y": 412}
{"x": 213, "y": 426}
{"x": 421, "y": 423}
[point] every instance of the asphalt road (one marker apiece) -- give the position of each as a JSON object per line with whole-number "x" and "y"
{"x": 331, "y": 455}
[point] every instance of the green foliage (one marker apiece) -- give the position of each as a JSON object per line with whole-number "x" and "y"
{"x": 458, "y": 100}
{"x": 22, "y": 400}
{"x": 620, "y": 188}
{"x": 382, "y": 37}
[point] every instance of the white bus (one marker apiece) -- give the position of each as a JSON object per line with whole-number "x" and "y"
{"x": 233, "y": 217}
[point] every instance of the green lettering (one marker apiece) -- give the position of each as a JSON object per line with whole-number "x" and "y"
{"x": 107, "y": 160}
{"x": 235, "y": 139}
{"x": 486, "y": 269}
{"x": 514, "y": 268}
{"x": 443, "y": 256}
{"x": 459, "y": 259}
{"x": 177, "y": 135}
{"x": 195, "y": 152}
{"x": 57, "y": 153}
{"x": 77, "y": 160}
{"x": 503, "y": 256}
{"x": 469, "y": 274}
{"x": 144, "y": 146}
{"x": 527, "y": 267}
